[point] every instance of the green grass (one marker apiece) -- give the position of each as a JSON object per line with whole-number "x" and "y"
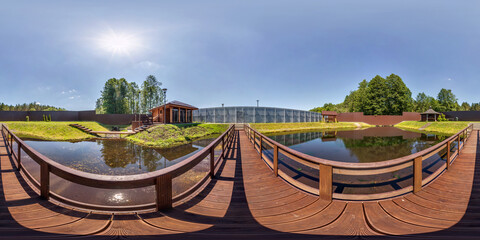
{"x": 287, "y": 127}
{"x": 170, "y": 135}
{"x": 53, "y": 131}
{"x": 449, "y": 127}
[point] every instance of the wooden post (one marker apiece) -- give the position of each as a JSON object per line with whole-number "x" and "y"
{"x": 448, "y": 154}
{"x": 44, "y": 180}
{"x": 275, "y": 160}
{"x": 254, "y": 141}
{"x": 458, "y": 145}
{"x": 260, "y": 147}
{"x": 19, "y": 159}
{"x": 223, "y": 147}
{"x": 163, "y": 190}
{"x": 417, "y": 174}
{"x": 325, "y": 182}
{"x": 212, "y": 162}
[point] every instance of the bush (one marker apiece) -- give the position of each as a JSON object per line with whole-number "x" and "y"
{"x": 27, "y": 118}
{"x": 442, "y": 118}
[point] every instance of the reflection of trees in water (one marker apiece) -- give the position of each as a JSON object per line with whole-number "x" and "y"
{"x": 374, "y": 149}
{"x": 367, "y": 148}
{"x": 119, "y": 154}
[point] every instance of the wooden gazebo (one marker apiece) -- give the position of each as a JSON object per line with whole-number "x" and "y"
{"x": 430, "y": 114}
{"x": 329, "y": 116}
{"x": 173, "y": 112}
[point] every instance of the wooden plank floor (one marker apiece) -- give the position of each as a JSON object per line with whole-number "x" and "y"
{"x": 245, "y": 200}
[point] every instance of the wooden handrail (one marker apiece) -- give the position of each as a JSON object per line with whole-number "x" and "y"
{"x": 328, "y": 167}
{"x": 161, "y": 178}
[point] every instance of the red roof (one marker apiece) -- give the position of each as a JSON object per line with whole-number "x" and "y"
{"x": 329, "y": 113}
{"x": 178, "y": 104}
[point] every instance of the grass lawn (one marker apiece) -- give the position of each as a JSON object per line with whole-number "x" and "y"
{"x": 286, "y": 127}
{"x": 53, "y": 131}
{"x": 170, "y": 135}
{"x": 449, "y": 127}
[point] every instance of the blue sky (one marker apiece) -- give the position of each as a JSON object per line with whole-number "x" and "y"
{"x": 294, "y": 54}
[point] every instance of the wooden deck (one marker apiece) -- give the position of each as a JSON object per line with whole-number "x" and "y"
{"x": 246, "y": 201}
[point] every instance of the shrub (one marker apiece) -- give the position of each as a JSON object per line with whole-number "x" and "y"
{"x": 27, "y": 118}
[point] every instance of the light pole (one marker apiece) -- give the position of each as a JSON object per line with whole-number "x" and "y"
{"x": 164, "y": 106}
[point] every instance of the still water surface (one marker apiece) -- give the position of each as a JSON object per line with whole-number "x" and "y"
{"x": 367, "y": 145}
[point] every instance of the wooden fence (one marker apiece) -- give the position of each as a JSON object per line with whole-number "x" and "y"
{"x": 161, "y": 179}
{"x": 327, "y": 168}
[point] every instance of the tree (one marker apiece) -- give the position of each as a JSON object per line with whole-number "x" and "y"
{"x": 152, "y": 94}
{"x": 114, "y": 96}
{"x": 465, "y": 107}
{"x": 133, "y": 98}
{"x": 399, "y": 97}
{"x": 423, "y": 102}
{"x": 376, "y": 97}
{"x": 475, "y": 107}
{"x": 447, "y": 101}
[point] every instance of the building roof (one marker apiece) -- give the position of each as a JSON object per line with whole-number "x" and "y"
{"x": 329, "y": 113}
{"x": 430, "y": 111}
{"x": 177, "y": 104}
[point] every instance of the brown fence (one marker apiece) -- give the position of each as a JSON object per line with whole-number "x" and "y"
{"x": 378, "y": 119}
{"x": 463, "y": 115}
{"x": 112, "y": 119}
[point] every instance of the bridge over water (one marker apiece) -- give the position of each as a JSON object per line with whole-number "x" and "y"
{"x": 247, "y": 195}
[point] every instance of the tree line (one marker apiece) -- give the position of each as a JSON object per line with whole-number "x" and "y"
{"x": 390, "y": 96}
{"x": 34, "y": 106}
{"x": 121, "y": 97}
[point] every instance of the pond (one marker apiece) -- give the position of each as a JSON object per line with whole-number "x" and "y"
{"x": 367, "y": 145}
{"x": 358, "y": 146}
{"x": 117, "y": 157}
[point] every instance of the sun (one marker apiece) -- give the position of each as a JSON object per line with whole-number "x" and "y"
{"x": 119, "y": 43}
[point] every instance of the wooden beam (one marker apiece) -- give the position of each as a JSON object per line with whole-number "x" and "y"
{"x": 325, "y": 182}
{"x": 44, "y": 180}
{"x": 417, "y": 174}
{"x": 275, "y": 160}
{"x": 163, "y": 189}
{"x": 448, "y": 154}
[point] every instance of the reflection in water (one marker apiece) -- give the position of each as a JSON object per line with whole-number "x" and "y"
{"x": 114, "y": 157}
{"x": 368, "y": 145}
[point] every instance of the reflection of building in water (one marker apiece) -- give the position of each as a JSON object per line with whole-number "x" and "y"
{"x": 378, "y": 132}
{"x": 176, "y": 152}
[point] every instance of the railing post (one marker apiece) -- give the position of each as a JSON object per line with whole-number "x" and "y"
{"x": 44, "y": 180}
{"x": 19, "y": 157}
{"x": 163, "y": 190}
{"x": 260, "y": 148}
{"x": 417, "y": 174}
{"x": 275, "y": 160}
{"x": 254, "y": 141}
{"x": 325, "y": 182}
{"x": 212, "y": 162}
{"x": 458, "y": 145}
{"x": 448, "y": 155}
{"x": 223, "y": 147}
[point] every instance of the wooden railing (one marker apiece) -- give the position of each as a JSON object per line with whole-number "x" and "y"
{"x": 161, "y": 179}
{"x": 327, "y": 168}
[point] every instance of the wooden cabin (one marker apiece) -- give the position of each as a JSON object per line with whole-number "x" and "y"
{"x": 430, "y": 115}
{"x": 173, "y": 112}
{"x": 329, "y": 116}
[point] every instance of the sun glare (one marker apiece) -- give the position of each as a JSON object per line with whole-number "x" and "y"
{"x": 119, "y": 43}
